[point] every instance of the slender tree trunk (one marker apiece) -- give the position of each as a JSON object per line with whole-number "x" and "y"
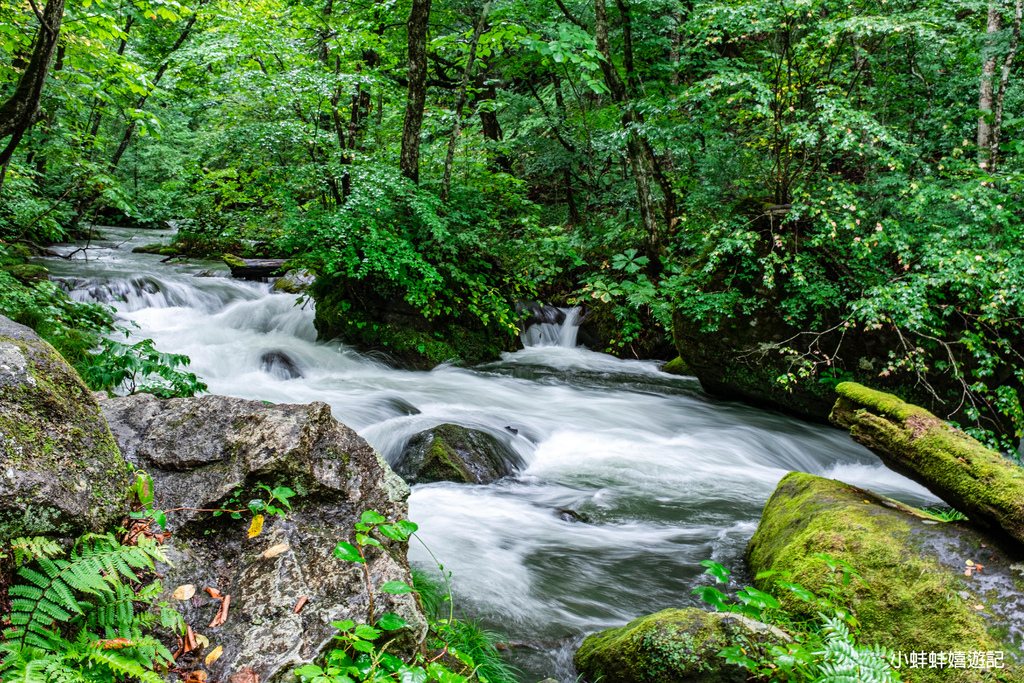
{"x": 987, "y": 91}
{"x": 416, "y": 96}
{"x": 635, "y": 152}
{"x": 460, "y": 101}
{"x": 490, "y": 125}
{"x": 997, "y": 113}
{"x": 21, "y": 110}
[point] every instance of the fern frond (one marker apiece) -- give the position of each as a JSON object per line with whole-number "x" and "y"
{"x": 28, "y": 548}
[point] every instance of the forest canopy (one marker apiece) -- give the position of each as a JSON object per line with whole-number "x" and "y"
{"x": 822, "y": 190}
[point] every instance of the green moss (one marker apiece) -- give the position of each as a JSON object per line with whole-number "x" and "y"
{"x": 168, "y": 251}
{"x": 979, "y": 482}
{"x": 442, "y": 463}
{"x": 677, "y": 366}
{"x": 671, "y": 646}
{"x": 27, "y": 273}
{"x": 907, "y": 600}
{"x": 149, "y": 248}
{"x": 233, "y": 261}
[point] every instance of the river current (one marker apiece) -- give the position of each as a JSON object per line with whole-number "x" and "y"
{"x": 658, "y": 476}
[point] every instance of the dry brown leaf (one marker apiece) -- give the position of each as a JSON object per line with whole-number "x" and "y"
{"x": 300, "y": 604}
{"x": 222, "y": 613}
{"x": 214, "y": 593}
{"x": 275, "y": 550}
{"x": 184, "y": 592}
{"x": 967, "y": 572}
{"x": 979, "y": 607}
{"x": 195, "y": 677}
{"x": 214, "y": 655}
{"x": 245, "y": 675}
{"x": 114, "y": 643}
{"x": 190, "y": 639}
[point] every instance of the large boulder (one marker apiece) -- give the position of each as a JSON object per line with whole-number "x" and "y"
{"x": 672, "y": 646}
{"x": 977, "y": 481}
{"x": 213, "y": 452}
{"x": 927, "y": 585}
{"x": 61, "y": 473}
{"x": 452, "y": 453}
{"x": 294, "y": 282}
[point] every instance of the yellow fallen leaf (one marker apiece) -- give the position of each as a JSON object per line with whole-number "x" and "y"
{"x": 256, "y": 527}
{"x": 202, "y": 640}
{"x": 868, "y": 502}
{"x": 214, "y": 655}
{"x": 970, "y": 563}
{"x": 184, "y": 592}
{"x": 275, "y": 550}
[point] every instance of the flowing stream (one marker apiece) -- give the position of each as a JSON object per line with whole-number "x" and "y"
{"x": 633, "y": 476}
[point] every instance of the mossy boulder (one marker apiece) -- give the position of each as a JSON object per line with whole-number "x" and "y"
{"x": 374, "y": 317}
{"x": 61, "y": 474}
{"x": 168, "y": 251}
{"x": 233, "y": 261}
{"x": 294, "y": 282}
{"x": 149, "y": 248}
{"x": 676, "y": 366}
{"x": 979, "y": 482}
{"x": 27, "y": 273}
{"x": 672, "y": 646}
{"x": 452, "y": 453}
{"x": 915, "y": 594}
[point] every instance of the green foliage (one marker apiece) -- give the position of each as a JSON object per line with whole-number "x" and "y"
{"x": 140, "y": 367}
{"x": 76, "y": 619}
{"x": 821, "y": 651}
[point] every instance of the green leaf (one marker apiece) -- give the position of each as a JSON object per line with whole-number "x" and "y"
{"x": 347, "y": 551}
{"x": 371, "y": 517}
{"x": 391, "y": 622}
{"x": 396, "y": 587}
{"x": 366, "y": 632}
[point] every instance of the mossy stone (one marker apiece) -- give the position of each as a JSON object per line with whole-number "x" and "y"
{"x": 676, "y": 366}
{"x": 62, "y": 473}
{"x": 914, "y": 595}
{"x": 149, "y": 248}
{"x": 671, "y": 646}
{"x": 233, "y": 261}
{"x": 451, "y": 452}
{"x": 27, "y": 273}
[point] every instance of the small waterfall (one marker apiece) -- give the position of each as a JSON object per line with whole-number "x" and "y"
{"x": 551, "y": 326}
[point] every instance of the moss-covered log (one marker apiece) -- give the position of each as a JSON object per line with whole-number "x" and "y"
{"x": 977, "y": 481}
{"x": 916, "y": 594}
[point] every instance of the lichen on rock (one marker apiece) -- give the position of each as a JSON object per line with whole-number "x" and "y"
{"x": 213, "y": 452}
{"x": 61, "y": 473}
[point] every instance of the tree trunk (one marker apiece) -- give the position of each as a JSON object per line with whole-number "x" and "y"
{"x": 978, "y": 482}
{"x": 460, "y": 101}
{"x": 638, "y": 158}
{"x": 997, "y": 113}
{"x": 19, "y": 112}
{"x": 416, "y": 96}
{"x": 987, "y": 91}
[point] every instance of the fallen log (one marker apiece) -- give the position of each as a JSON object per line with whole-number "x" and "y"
{"x": 253, "y": 268}
{"x": 975, "y": 480}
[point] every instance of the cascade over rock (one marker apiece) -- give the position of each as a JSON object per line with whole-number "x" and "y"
{"x": 60, "y": 464}
{"x": 921, "y": 587}
{"x": 213, "y": 452}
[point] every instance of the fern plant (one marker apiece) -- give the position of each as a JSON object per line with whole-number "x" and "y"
{"x": 75, "y": 620}
{"x": 843, "y": 661}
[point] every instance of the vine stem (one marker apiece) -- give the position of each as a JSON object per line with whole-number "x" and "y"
{"x": 447, "y": 583}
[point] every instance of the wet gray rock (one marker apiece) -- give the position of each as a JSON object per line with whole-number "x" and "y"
{"x": 452, "y": 453}
{"x": 213, "y": 452}
{"x": 61, "y": 473}
{"x": 280, "y": 365}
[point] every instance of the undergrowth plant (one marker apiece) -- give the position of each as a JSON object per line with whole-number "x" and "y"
{"x": 822, "y": 650}
{"x": 76, "y": 619}
{"x": 467, "y": 652}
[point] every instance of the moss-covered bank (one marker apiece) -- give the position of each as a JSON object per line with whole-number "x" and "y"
{"x": 915, "y": 595}
{"x": 360, "y": 314}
